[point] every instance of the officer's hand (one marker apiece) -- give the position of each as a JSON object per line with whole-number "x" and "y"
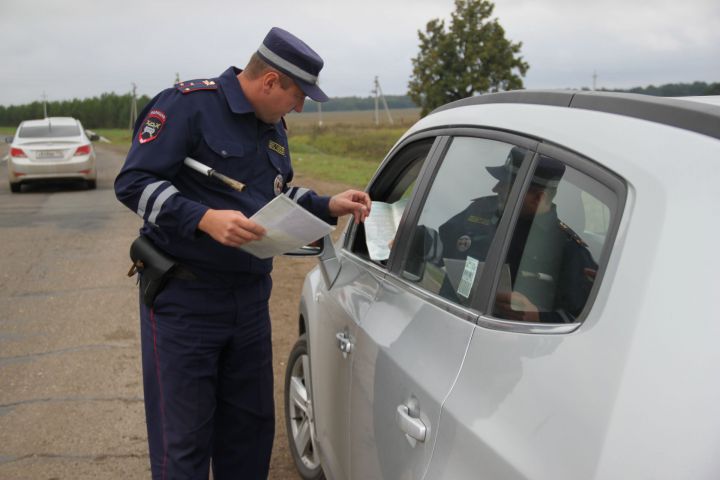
{"x": 516, "y": 306}
{"x": 230, "y": 227}
{"x": 351, "y": 201}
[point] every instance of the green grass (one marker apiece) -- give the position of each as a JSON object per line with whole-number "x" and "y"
{"x": 118, "y": 136}
{"x": 343, "y": 153}
{"x": 353, "y": 172}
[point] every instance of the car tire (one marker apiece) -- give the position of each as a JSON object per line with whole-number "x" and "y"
{"x": 91, "y": 184}
{"x": 15, "y": 187}
{"x": 298, "y": 413}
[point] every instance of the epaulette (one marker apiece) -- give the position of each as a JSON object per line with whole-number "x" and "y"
{"x": 571, "y": 234}
{"x": 195, "y": 85}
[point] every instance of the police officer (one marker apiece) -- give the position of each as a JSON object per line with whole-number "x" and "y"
{"x": 207, "y": 362}
{"x": 550, "y": 267}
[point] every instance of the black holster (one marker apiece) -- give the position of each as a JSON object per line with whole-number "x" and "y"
{"x": 154, "y": 266}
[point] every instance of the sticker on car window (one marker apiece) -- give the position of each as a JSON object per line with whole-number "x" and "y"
{"x": 468, "y": 277}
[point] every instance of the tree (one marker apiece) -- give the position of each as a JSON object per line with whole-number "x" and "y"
{"x": 473, "y": 56}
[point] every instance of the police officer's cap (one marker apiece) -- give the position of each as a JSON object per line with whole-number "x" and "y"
{"x": 547, "y": 173}
{"x": 287, "y": 53}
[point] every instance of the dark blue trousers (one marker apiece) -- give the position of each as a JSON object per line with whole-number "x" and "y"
{"x": 208, "y": 381}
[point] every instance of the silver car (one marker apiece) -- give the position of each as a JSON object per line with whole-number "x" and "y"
{"x": 51, "y": 149}
{"x": 541, "y": 310}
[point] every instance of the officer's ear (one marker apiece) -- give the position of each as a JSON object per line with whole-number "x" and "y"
{"x": 269, "y": 80}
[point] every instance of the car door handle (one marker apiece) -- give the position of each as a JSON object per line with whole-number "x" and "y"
{"x": 344, "y": 343}
{"x": 414, "y": 428}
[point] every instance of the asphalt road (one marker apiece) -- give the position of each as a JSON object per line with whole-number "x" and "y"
{"x": 70, "y": 383}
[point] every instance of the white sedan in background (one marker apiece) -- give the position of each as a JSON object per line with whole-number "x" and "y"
{"x": 544, "y": 309}
{"x": 51, "y": 149}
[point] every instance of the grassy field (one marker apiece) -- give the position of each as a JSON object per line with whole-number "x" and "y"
{"x": 346, "y": 147}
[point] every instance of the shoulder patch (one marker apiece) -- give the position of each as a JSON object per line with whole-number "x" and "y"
{"x": 571, "y": 234}
{"x": 151, "y": 126}
{"x": 190, "y": 86}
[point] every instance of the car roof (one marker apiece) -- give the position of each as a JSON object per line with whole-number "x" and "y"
{"x": 50, "y": 120}
{"x": 697, "y": 114}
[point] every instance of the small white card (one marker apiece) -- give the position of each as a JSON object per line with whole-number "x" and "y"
{"x": 468, "y": 276}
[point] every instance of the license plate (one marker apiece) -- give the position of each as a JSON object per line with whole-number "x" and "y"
{"x": 49, "y": 154}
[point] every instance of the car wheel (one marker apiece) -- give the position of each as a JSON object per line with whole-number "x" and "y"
{"x": 15, "y": 187}
{"x": 299, "y": 413}
{"x": 91, "y": 184}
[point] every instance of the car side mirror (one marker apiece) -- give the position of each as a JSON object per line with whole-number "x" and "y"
{"x": 329, "y": 263}
{"x": 94, "y": 137}
{"x": 313, "y": 249}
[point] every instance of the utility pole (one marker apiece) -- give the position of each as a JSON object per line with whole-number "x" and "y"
{"x": 133, "y": 106}
{"x": 377, "y": 90}
{"x": 44, "y": 98}
{"x": 594, "y": 80}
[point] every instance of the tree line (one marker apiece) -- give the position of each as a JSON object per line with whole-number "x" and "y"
{"x": 676, "y": 89}
{"x": 344, "y": 104}
{"x": 109, "y": 110}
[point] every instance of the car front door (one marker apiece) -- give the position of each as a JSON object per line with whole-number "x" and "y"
{"x": 410, "y": 345}
{"x": 341, "y": 308}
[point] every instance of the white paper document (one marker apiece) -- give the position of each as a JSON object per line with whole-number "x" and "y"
{"x": 380, "y": 227}
{"x": 289, "y": 227}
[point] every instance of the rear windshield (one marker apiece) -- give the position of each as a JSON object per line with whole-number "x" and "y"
{"x": 47, "y": 131}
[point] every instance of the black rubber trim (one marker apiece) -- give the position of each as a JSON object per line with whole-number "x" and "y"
{"x": 686, "y": 114}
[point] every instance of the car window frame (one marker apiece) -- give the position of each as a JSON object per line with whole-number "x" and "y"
{"x": 487, "y": 285}
{"x": 390, "y": 163}
{"x": 433, "y": 164}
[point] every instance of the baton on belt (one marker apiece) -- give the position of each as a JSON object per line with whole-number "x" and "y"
{"x": 205, "y": 170}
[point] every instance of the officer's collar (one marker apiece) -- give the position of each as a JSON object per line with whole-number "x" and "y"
{"x": 237, "y": 101}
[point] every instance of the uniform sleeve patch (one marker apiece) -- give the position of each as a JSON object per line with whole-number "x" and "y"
{"x": 195, "y": 85}
{"x": 151, "y": 126}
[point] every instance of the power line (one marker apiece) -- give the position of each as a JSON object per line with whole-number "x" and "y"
{"x": 133, "y": 106}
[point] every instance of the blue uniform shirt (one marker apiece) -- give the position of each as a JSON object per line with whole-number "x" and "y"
{"x": 212, "y": 122}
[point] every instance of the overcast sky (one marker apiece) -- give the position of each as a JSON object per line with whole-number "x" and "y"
{"x": 82, "y": 48}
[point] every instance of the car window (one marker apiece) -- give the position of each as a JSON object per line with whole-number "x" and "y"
{"x": 458, "y": 220}
{"x": 552, "y": 258}
{"x": 49, "y": 131}
{"x": 393, "y": 187}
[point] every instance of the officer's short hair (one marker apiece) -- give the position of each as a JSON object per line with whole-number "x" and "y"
{"x": 257, "y": 67}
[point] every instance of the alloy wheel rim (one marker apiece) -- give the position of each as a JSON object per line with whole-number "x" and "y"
{"x": 300, "y": 414}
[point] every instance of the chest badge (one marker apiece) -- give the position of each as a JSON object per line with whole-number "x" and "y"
{"x": 151, "y": 126}
{"x": 276, "y": 147}
{"x": 278, "y": 185}
{"x": 463, "y": 243}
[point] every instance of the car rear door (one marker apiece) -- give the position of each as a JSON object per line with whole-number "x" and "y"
{"x": 535, "y": 392}
{"x": 410, "y": 345}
